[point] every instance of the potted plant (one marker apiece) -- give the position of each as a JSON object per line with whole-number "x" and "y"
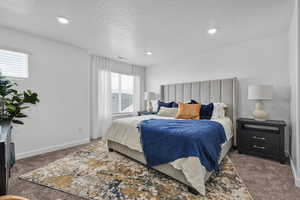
{"x": 12, "y": 106}
{"x": 13, "y": 103}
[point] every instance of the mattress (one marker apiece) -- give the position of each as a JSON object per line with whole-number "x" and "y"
{"x": 123, "y": 137}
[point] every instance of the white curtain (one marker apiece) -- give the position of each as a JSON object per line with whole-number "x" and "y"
{"x": 101, "y": 96}
{"x": 138, "y": 89}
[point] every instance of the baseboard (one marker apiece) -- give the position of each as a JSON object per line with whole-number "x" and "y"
{"x": 297, "y": 179}
{"x": 50, "y": 149}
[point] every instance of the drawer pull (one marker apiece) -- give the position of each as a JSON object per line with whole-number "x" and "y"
{"x": 258, "y": 138}
{"x": 257, "y": 147}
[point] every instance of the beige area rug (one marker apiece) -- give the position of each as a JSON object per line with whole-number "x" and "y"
{"x": 94, "y": 173}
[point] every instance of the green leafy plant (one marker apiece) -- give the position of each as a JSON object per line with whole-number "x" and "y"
{"x": 13, "y": 103}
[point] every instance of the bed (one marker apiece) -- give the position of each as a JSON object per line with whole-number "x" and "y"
{"x": 123, "y": 136}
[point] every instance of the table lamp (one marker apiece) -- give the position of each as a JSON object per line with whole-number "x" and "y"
{"x": 260, "y": 93}
{"x": 148, "y": 97}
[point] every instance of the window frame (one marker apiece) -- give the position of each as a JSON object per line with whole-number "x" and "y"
{"x": 120, "y": 95}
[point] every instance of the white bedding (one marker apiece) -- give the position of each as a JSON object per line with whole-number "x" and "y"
{"x": 124, "y": 131}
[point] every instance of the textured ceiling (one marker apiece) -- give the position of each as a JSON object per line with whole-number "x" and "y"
{"x": 128, "y": 28}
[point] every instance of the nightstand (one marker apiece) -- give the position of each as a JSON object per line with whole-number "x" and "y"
{"x": 140, "y": 113}
{"x": 261, "y": 138}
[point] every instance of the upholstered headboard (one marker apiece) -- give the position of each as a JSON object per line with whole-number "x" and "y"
{"x": 223, "y": 90}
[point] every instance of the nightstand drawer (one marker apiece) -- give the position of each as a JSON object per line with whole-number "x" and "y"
{"x": 265, "y": 148}
{"x": 267, "y": 143}
{"x": 259, "y": 137}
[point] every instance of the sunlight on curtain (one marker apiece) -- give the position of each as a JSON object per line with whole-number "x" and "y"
{"x": 136, "y": 89}
{"x": 101, "y": 96}
{"x": 117, "y": 91}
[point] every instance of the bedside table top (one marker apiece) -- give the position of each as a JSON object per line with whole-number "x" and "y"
{"x": 146, "y": 113}
{"x": 267, "y": 122}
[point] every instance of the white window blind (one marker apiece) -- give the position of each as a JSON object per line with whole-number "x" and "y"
{"x": 13, "y": 64}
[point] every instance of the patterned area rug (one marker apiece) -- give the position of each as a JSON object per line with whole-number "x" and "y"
{"x": 94, "y": 173}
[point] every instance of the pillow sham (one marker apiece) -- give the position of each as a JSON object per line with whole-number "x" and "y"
{"x": 188, "y": 111}
{"x": 206, "y": 111}
{"x": 219, "y": 110}
{"x": 171, "y": 104}
{"x": 167, "y": 112}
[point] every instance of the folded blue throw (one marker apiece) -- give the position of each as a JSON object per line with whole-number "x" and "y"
{"x": 165, "y": 141}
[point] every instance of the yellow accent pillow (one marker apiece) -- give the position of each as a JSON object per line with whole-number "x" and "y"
{"x": 188, "y": 111}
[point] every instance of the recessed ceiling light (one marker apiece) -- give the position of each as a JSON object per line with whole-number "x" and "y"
{"x": 63, "y": 20}
{"x": 149, "y": 53}
{"x": 212, "y": 31}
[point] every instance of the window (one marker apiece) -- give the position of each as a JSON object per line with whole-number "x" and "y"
{"x": 13, "y": 64}
{"x": 122, "y": 93}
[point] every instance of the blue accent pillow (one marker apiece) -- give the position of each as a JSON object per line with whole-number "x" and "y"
{"x": 172, "y": 104}
{"x": 206, "y": 111}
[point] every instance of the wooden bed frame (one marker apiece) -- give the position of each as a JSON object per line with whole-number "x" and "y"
{"x": 224, "y": 90}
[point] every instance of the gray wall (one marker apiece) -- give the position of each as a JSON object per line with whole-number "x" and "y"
{"x": 60, "y": 75}
{"x": 260, "y": 61}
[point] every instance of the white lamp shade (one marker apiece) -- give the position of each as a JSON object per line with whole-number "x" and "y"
{"x": 260, "y": 92}
{"x": 150, "y": 96}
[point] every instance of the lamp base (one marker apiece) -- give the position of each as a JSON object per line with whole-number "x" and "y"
{"x": 259, "y": 114}
{"x": 149, "y": 106}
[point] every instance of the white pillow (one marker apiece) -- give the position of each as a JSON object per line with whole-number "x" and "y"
{"x": 219, "y": 110}
{"x": 167, "y": 112}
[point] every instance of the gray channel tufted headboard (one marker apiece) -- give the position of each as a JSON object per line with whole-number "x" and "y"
{"x": 223, "y": 90}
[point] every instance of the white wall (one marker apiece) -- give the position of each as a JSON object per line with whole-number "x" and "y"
{"x": 294, "y": 81}
{"x": 263, "y": 61}
{"x": 60, "y": 75}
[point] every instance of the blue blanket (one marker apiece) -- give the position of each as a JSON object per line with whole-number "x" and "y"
{"x": 165, "y": 141}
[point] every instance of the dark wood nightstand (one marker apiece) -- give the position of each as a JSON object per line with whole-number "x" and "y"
{"x": 140, "y": 113}
{"x": 261, "y": 138}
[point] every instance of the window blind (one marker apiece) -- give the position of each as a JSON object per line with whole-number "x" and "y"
{"x": 13, "y": 64}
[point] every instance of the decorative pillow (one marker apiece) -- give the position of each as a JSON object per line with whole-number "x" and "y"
{"x": 219, "y": 110}
{"x": 206, "y": 111}
{"x": 167, "y": 105}
{"x": 167, "y": 112}
{"x": 163, "y": 104}
{"x": 174, "y": 105}
{"x": 188, "y": 111}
